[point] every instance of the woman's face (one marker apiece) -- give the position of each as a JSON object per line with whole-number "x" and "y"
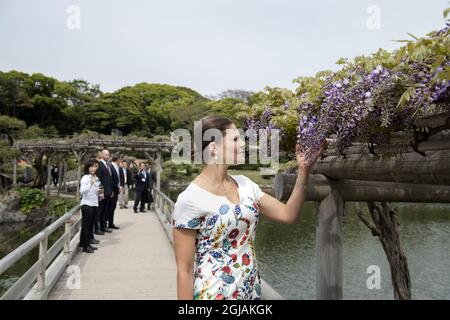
{"x": 93, "y": 169}
{"x": 231, "y": 150}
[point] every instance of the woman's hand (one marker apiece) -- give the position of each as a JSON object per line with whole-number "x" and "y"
{"x": 305, "y": 164}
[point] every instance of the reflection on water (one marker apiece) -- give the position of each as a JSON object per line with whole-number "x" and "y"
{"x": 286, "y": 254}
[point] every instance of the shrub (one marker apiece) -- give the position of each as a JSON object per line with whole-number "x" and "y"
{"x": 58, "y": 207}
{"x": 30, "y": 198}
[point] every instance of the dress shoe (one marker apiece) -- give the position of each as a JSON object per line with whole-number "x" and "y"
{"x": 88, "y": 250}
{"x": 142, "y": 210}
{"x": 114, "y": 227}
{"x": 94, "y": 241}
{"x": 100, "y": 233}
{"x": 135, "y": 211}
{"x": 93, "y": 248}
{"x": 106, "y": 230}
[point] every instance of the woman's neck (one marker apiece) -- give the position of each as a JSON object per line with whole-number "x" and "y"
{"x": 215, "y": 172}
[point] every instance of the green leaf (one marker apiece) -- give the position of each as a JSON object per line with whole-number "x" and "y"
{"x": 446, "y": 12}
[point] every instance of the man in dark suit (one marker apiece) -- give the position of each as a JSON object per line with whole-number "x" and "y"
{"x": 117, "y": 188}
{"x": 151, "y": 182}
{"x": 105, "y": 176}
{"x": 142, "y": 180}
{"x": 126, "y": 175}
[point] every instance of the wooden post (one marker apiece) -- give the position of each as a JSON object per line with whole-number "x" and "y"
{"x": 14, "y": 172}
{"x": 68, "y": 235}
{"x": 329, "y": 274}
{"x": 65, "y": 175}
{"x": 60, "y": 176}
{"x": 78, "y": 155}
{"x": 49, "y": 177}
{"x": 43, "y": 262}
{"x": 158, "y": 169}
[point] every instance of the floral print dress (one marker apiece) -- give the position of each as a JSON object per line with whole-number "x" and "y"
{"x": 225, "y": 261}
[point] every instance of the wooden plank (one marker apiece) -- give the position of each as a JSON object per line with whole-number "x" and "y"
{"x": 434, "y": 168}
{"x": 55, "y": 249}
{"x": 329, "y": 273}
{"x": 135, "y": 262}
{"x": 360, "y": 190}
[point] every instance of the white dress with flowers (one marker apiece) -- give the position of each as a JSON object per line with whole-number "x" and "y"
{"x": 225, "y": 261}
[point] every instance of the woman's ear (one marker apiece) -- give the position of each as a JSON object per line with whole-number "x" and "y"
{"x": 213, "y": 148}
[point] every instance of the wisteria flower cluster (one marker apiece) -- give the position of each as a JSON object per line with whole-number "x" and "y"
{"x": 366, "y": 104}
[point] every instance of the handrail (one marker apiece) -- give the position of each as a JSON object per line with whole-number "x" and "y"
{"x": 162, "y": 202}
{"x": 38, "y": 272}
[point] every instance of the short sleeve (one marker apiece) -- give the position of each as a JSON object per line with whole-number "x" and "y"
{"x": 257, "y": 192}
{"x": 185, "y": 215}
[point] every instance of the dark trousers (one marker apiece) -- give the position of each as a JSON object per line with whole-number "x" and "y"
{"x": 55, "y": 180}
{"x": 112, "y": 210}
{"x": 140, "y": 198}
{"x": 88, "y": 214}
{"x": 149, "y": 199}
{"x": 104, "y": 208}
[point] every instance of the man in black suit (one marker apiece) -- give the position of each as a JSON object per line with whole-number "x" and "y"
{"x": 142, "y": 179}
{"x": 151, "y": 182}
{"x": 117, "y": 188}
{"x": 126, "y": 175}
{"x": 105, "y": 176}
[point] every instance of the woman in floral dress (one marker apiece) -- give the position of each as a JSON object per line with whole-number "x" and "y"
{"x": 215, "y": 220}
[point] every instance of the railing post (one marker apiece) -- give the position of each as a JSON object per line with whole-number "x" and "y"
{"x": 329, "y": 274}
{"x": 43, "y": 262}
{"x": 68, "y": 235}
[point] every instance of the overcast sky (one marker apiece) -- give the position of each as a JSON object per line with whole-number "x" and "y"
{"x": 207, "y": 45}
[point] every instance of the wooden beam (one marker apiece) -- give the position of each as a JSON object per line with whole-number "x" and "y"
{"x": 78, "y": 154}
{"x": 392, "y": 149}
{"x": 434, "y": 168}
{"x": 65, "y": 175}
{"x": 60, "y": 176}
{"x": 158, "y": 164}
{"x": 49, "y": 177}
{"x": 362, "y": 190}
{"x": 329, "y": 272}
{"x": 15, "y": 172}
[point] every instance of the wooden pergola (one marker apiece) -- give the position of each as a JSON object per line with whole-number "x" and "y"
{"x": 417, "y": 171}
{"x": 58, "y": 150}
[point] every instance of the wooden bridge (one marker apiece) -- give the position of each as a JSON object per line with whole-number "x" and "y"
{"x": 135, "y": 262}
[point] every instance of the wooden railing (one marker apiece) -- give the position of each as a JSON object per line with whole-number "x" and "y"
{"x": 39, "y": 279}
{"x": 163, "y": 207}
